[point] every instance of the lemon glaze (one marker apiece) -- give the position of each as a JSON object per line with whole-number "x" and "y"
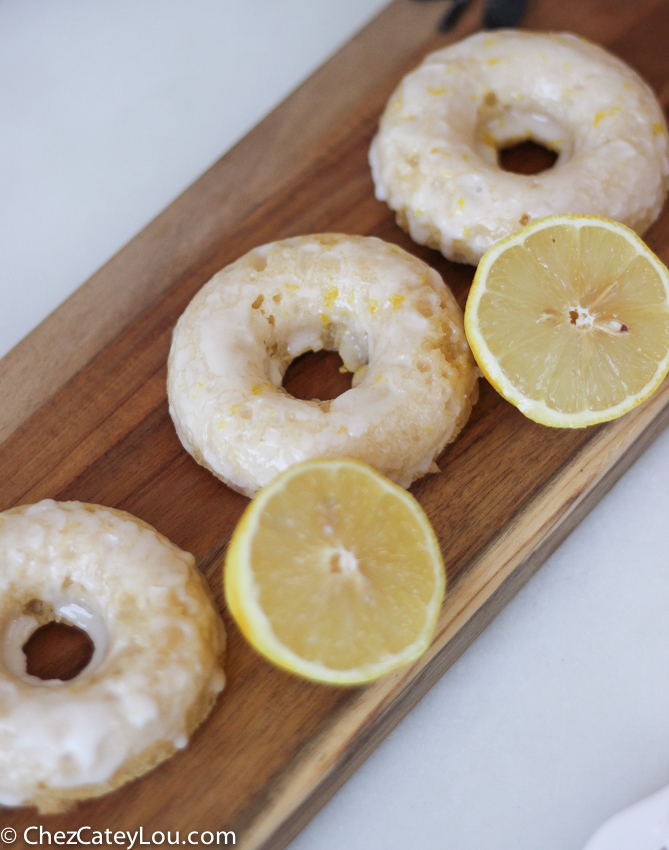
{"x": 155, "y": 671}
{"x": 434, "y": 158}
{"x": 394, "y": 323}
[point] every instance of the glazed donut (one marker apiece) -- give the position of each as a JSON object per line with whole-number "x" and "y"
{"x": 155, "y": 671}
{"x": 394, "y": 323}
{"x": 434, "y": 158}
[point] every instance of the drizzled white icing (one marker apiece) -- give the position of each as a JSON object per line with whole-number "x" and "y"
{"x": 434, "y": 159}
{"x": 158, "y": 643}
{"x": 395, "y": 324}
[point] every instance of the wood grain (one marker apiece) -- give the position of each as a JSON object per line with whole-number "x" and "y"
{"x": 85, "y": 417}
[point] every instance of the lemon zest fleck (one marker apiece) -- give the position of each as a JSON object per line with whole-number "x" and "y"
{"x": 331, "y": 296}
{"x": 605, "y": 114}
{"x": 396, "y": 299}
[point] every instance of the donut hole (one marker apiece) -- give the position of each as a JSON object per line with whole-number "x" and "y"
{"x": 527, "y": 157}
{"x": 520, "y": 139}
{"x": 58, "y": 650}
{"x": 317, "y": 376}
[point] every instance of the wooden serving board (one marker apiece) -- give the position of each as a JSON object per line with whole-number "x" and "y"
{"x": 84, "y": 416}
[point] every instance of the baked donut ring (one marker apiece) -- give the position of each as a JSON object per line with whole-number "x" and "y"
{"x": 156, "y": 669}
{"x": 391, "y": 318}
{"x": 434, "y": 159}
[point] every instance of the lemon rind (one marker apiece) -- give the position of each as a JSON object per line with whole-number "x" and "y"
{"x": 242, "y": 595}
{"x": 538, "y": 411}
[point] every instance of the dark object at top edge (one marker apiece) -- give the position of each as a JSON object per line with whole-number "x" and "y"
{"x": 451, "y": 17}
{"x": 500, "y": 14}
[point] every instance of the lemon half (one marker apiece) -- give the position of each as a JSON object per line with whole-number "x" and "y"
{"x": 569, "y": 320}
{"x": 334, "y": 573}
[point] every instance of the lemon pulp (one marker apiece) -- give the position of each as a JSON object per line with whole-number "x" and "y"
{"x": 335, "y": 573}
{"x": 569, "y": 319}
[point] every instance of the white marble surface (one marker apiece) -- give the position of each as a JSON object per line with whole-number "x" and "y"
{"x": 559, "y": 714}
